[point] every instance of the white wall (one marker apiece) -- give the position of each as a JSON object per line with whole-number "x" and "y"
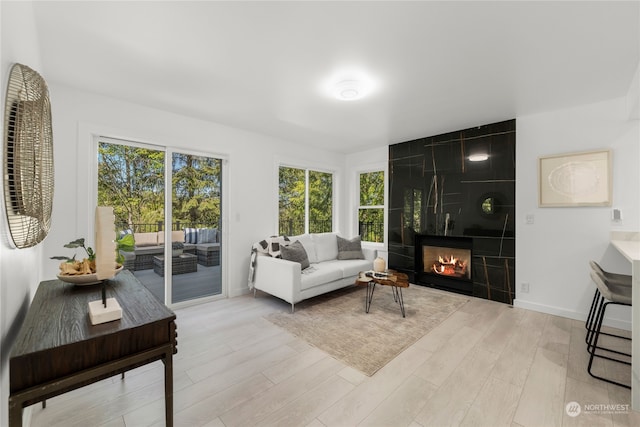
{"x": 251, "y": 210}
{"x": 552, "y": 254}
{"x": 19, "y": 272}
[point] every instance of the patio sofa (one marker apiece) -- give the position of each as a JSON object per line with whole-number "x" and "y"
{"x": 325, "y": 263}
{"x": 203, "y": 242}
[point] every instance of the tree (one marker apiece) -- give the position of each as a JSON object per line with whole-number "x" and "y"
{"x": 196, "y": 189}
{"x": 131, "y": 179}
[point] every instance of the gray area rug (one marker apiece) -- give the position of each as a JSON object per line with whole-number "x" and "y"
{"x": 336, "y": 322}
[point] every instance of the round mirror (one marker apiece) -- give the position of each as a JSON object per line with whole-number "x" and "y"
{"x": 490, "y": 205}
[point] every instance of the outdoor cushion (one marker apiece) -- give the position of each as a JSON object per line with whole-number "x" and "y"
{"x": 208, "y": 247}
{"x": 176, "y": 236}
{"x": 207, "y": 235}
{"x": 146, "y": 239}
{"x": 191, "y": 235}
{"x": 326, "y": 246}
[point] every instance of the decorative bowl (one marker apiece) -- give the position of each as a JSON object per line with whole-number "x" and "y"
{"x": 83, "y": 279}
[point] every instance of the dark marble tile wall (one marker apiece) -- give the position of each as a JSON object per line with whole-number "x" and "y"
{"x": 435, "y": 189}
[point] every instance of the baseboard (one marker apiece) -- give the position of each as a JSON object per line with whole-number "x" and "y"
{"x": 575, "y": 315}
{"x": 238, "y": 292}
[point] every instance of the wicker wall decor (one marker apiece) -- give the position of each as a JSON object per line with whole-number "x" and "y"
{"x": 28, "y": 157}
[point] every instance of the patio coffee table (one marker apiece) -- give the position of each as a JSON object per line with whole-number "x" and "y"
{"x": 183, "y": 263}
{"x": 391, "y": 278}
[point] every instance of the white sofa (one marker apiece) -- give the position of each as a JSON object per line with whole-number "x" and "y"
{"x": 286, "y": 280}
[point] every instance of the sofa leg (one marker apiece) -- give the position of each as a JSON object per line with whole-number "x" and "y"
{"x": 254, "y": 292}
{"x": 292, "y": 308}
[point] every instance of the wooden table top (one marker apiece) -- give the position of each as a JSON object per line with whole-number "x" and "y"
{"x": 391, "y": 278}
{"x": 57, "y": 338}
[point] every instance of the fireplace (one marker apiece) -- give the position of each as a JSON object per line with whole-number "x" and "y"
{"x": 444, "y": 262}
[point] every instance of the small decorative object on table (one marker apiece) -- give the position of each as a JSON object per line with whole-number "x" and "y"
{"x": 177, "y": 248}
{"x": 379, "y": 265}
{"x": 95, "y": 268}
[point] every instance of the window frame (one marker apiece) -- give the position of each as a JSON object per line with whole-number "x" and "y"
{"x": 358, "y": 206}
{"x": 306, "y": 168}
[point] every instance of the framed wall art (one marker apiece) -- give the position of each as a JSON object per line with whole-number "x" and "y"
{"x": 575, "y": 179}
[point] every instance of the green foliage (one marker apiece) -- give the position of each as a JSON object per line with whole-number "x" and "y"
{"x": 372, "y": 188}
{"x": 292, "y": 201}
{"x": 78, "y": 243}
{"x": 131, "y": 179}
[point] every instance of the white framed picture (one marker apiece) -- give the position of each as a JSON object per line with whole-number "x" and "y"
{"x": 575, "y": 179}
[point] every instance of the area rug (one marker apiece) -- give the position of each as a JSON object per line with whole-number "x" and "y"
{"x": 336, "y": 322}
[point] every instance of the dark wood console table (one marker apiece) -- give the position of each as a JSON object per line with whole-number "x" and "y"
{"x": 58, "y": 350}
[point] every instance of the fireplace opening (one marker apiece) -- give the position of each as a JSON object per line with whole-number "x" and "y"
{"x": 444, "y": 262}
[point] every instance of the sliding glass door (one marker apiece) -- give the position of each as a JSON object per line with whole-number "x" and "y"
{"x": 171, "y": 202}
{"x": 196, "y": 193}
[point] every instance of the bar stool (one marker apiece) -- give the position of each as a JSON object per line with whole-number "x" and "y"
{"x": 610, "y": 294}
{"x": 614, "y": 279}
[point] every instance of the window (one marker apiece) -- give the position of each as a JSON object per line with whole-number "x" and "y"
{"x": 305, "y": 201}
{"x": 371, "y": 207}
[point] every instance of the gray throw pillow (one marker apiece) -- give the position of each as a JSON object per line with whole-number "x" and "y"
{"x": 350, "y": 249}
{"x": 295, "y": 252}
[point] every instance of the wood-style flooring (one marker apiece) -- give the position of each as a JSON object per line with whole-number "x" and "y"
{"x": 487, "y": 365}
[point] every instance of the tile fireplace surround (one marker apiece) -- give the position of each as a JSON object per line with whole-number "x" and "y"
{"x": 436, "y": 189}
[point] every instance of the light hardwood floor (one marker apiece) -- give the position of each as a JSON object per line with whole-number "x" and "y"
{"x": 487, "y": 365}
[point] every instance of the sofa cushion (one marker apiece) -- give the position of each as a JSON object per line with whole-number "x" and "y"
{"x": 320, "y": 274}
{"x": 207, "y": 247}
{"x": 350, "y": 267}
{"x": 349, "y": 248}
{"x": 207, "y": 235}
{"x": 149, "y": 250}
{"x": 295, "y": 252}
{"x": 309, "y": 246}
{"x": 326, "y": 246}
{"x": 146, "y": 239}
{"x": 176, "y": 236}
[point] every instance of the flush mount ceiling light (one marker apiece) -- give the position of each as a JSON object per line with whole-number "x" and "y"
{"x": 349, "y": 90}
{"x": 478, "y": 157}
{"x": 348, "y": 84}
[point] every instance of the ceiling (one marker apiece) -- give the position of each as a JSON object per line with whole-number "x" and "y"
{"x": 264, "y": 66}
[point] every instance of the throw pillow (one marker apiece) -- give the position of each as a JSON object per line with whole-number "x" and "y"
{"x": 350, "y": 248}
{"x": 295, "y": 252}
{"x": 191, "y": 235}
{"x": 207, "y": 235}
{"x": 309, "y": 246}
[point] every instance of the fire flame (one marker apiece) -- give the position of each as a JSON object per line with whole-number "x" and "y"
{"x": 449, "y": 266}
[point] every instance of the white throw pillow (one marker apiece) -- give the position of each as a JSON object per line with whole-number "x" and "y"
{"x": 326, "y": 246}
{"x": 309, "y": 246}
